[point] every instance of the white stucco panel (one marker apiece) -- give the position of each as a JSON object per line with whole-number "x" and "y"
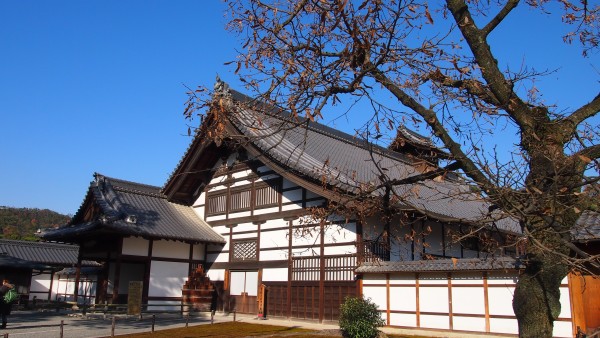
{"x": 433, "y": 299}
{"x": 468, "y": 300}
{"x": 468, "y": 323}
{"x": 135, "y": 246}
{"x": 403, "y": 298}
{"x": 275, "y": 275}
{"x": 170, "y": 249}
{"x": 500, "y": 301}
{"x": 40, "y": 283}
{"x": 435, "y": 322}
{"x": 167, "y": 279}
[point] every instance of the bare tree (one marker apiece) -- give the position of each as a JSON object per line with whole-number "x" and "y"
{"x": 311, "y": 54}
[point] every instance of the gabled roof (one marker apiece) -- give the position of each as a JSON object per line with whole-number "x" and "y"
{"x": 314, "y": 156}
{"x": 130, "y": 208}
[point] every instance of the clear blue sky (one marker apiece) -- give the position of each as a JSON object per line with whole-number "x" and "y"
{"x": 99, "y": 86}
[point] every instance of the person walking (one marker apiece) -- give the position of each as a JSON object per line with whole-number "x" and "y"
{"x": 4, "y": 306}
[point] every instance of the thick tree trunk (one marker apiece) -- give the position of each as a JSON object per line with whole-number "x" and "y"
{"x": 537, "y": 297}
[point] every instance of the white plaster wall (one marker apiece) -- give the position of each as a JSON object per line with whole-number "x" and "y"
{"x": 135, "y": 246}
{"x": 170, "y": 249}
{"x": 340, "y": 249}
{"x": 233, "y": 215}
{"x": 266, "y": 210}
{"x": 198, "y": 251}
{"x": 379, "y": 279}
{"x": 500, "y": 300}
{"x": 468, "y": 300}
{"x": 403, "y": 319}
{"x": 294, "y": 206}
{"x": 433, "y": 299}
{"x": 215, "y": 218}
{"x": 40, "y": 283}
{"x": 468, "y": 323}
{"x": 167, "y": 279}
{"x": 563, "y": 329}
{"x": 244, "y": 236}
{"x": 377, "y": 295}
{"x": 275, "y": 275}
{"x": 292, "y": 196}
{"x": 435, "y": 322}
{"x": 216, "y": 274}
{"x": 502, "y": 325}
{"x": 274, "y": 239}
{"x": 274, "y": 255}
{"x": 403, "y": 298}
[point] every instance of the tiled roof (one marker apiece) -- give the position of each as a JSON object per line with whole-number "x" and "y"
{"x": 587, "y": 227}
{"x": 131, "y": 208}
{"x": 41, "y": 252}
{"x": 441, "y": 265}
{"x": 10, "y": 262}
{"x": 323, "y": 154}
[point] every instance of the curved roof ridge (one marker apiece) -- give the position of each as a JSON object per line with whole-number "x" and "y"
{"x": 133, "y": 187}
{"x": 323, "y": 129}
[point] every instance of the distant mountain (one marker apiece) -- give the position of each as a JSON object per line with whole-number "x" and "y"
{"x": 23, "y": 223}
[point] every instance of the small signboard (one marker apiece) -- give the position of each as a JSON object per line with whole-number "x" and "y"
{"x": 134, "y": 298}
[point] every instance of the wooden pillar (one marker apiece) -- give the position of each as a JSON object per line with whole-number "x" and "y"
{"x": 52, "y": 273}
{"x": 418, "y": 306}
{"x": 147, "y": 269}
{"x": 290, "y": 268}
{"x": 486, "y": 302}
{"x": 450, "y": 315}
{"x": 387, "y": 296}
{"x": 322, "y": 275}
{"x": 77, "y": 276}
{"x": 115, "y": 295}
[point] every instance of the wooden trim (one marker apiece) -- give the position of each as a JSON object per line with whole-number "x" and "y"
{"x": 251, "y": 265}
{"x": 77, "y": 276}
{"x": 450, "y": 312}
{"x": 261, "y": 217}
{"x": 322, "y": 274}
{"x": 115, "y": 295}
{"x": 387, "y": 298}
{"x": 418, "y": 307}
{"x": 486, "y": 302}
{"x": 290, "y": 265}
{"x": 148, "y": 266}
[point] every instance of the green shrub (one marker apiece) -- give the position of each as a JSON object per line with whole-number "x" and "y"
{"x": 359, "y": 318}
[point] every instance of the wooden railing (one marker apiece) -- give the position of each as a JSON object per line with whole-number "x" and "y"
{"x": 375, "y": 251}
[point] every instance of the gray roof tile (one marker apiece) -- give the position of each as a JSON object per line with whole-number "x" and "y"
{"x": 343, "y": 161}
{"x": 441, "y": 265}
{"x": 587, "y": 227}
{"x": 41, "y": 252}
{"x": 137, "y": 209}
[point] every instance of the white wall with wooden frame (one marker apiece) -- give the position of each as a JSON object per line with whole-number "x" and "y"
{"x": 458, "y": 301}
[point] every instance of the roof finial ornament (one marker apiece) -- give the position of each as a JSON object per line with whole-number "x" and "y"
{"x": 221, "y": 87}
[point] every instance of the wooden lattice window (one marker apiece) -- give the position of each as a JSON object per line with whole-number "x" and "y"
{"x": 337, "y": 268}
{"x": 240, "y": 200}
{"x": 244, "y": 250}
{"x": 216, "y": 204}
{"x": 267, "y": 194}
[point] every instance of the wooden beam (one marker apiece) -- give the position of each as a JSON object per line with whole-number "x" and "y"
{"x": 486, "y": 302}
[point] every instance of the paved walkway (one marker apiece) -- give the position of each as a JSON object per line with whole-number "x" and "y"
{"x": 35, "y": 324}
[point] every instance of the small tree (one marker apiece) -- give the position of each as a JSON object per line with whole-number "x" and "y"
{"x": 359, "y": 318}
